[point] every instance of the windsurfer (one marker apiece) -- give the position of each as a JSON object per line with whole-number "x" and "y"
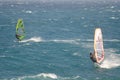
{"x": 20, "y": 33}
{"x": 98, "y": 55}
{"x": 18, "y": 36}
{"x": 92, "y": 57}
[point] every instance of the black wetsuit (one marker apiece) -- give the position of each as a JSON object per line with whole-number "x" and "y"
{"x": 92, "y": 58}
{"x": 17, "y": 36}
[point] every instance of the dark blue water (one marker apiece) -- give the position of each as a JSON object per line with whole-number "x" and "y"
{"x": 59, "y": 38}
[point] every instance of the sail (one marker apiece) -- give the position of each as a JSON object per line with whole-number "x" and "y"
{"x": 98, "y": 45}
{"x": 20, "y": 32}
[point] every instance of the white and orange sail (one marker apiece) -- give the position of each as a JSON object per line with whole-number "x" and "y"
{"x": 98, "y": 45}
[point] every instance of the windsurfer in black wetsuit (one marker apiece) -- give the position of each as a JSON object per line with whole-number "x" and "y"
{"x": 18, "y": 36}
{"x": 92, "y": 57}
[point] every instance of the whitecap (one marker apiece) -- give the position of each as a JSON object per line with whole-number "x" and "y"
{"x": 85, "y": 26}
{"x": 66, "y": 41}
{"x": 12, "y": 5}
{"x": 112, "y": 7}
{"x": 50, "y": 75}
{"x": 112, "y": 40}
{"x": 87, "y": 45}
{"x": 114, "y": 17}
{"x": 28, "y": 11}
{"x": 2, "y": 56}
{"x": 76, "y": 54}
{"x": 112, "y": 60}
{"x": 106, "y": 40}
{"x": 82, "y": 17}
{"x": 38, "y": 76}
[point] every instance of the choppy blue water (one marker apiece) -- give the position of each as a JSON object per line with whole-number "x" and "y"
{"x": 59, "y": 38}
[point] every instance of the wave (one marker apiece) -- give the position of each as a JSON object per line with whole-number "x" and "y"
{"x": 38, "y": 76}
{"x": 112, "y": 60}
{"x": 5, "y": 25}
{"x": 48, "y": 76}
{"x": 77, "y": 54}
{"x": 65, "y": 41}
{"x": 114, "y": 17}
{"x": 2, "y": 56}
{"x": 33, "y": 39}
{"x": 87, "y": 45}
{"x": 112, "y": 40}
{"x": 5, "y": 56}
{"x": 27, "y": 11}
{"x": 105, "y": 40}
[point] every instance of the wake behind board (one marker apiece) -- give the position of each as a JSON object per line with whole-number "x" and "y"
{"x": 98, "y": 45}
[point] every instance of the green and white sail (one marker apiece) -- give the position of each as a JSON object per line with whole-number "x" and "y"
{"x": 20, "y": 31}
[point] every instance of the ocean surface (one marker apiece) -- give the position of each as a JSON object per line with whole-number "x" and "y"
{"x": 59, "y": 38}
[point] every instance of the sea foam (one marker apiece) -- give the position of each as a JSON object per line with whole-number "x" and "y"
{"x": 33, "y": 39}
{"x": 37, "y": 77}
{"x": 112, "y": 60}
{"x": 49, "y": 75}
